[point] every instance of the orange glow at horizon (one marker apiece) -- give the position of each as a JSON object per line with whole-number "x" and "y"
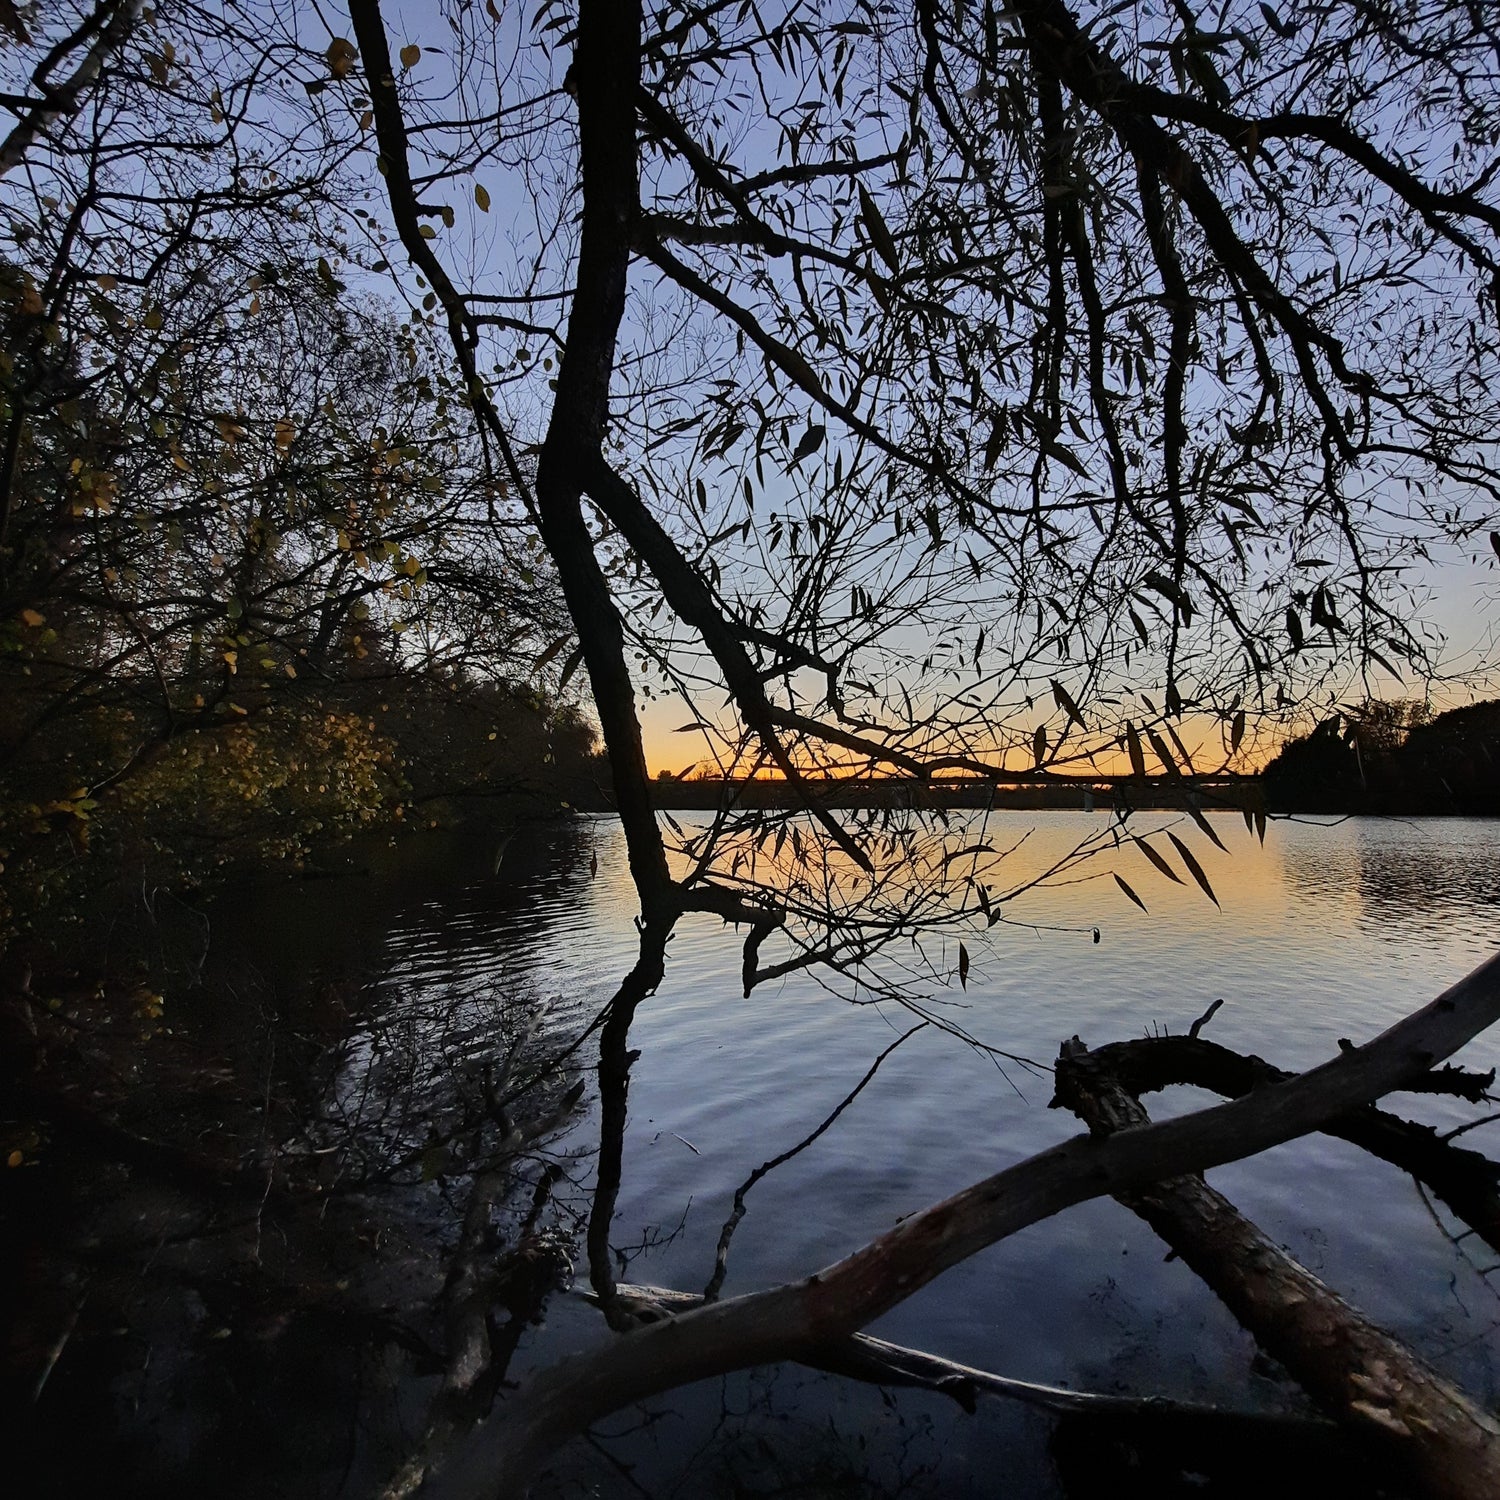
{"x": 685, "y": 754}
{"x": 672, "y": 752}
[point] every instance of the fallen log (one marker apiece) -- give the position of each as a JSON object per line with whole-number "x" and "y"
{"x": 1467, "y": 1181}
{"x": 1432, "y": 1434}
{"x": 797, "y": 1318}
{"x": 880, "y": 1362}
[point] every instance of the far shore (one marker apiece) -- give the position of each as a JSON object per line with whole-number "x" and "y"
{"x": 1061, "y": 793}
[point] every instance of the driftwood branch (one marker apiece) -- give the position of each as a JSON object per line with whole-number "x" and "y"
{"x": 798, "y": 1319}
{"x": 1467, "y": 1181}
{"x": 880, "y": 1362}
{"x": 1358, "y": 1373}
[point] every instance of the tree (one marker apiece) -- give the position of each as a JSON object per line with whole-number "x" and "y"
{"x": 227, "y": 481}
{"x": 1183, "y": 480}
{"x": 968, "y": 391}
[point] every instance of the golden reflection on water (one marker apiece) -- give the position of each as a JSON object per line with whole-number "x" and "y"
{"x": 1363, "y": 869}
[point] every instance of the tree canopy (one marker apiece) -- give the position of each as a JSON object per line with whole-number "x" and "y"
{"x": 957, "y": 390}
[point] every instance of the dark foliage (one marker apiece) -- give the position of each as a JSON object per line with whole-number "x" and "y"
{"x": 1450, "y": 766}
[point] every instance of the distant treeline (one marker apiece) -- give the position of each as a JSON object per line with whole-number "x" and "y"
{"x": 1074, "y": 795}
{"x": 1391, "y": 758}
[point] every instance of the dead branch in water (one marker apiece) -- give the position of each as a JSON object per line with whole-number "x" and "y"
{"x": 1356, "y": 1372}
{"x": 798, "y": 1320}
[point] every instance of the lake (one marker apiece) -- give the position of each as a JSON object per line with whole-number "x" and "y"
{"x": 284, "y": 1344}
{"x": 1328, "y": 931}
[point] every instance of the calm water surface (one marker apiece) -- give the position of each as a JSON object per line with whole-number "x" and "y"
{"x": 1326, "y": 932}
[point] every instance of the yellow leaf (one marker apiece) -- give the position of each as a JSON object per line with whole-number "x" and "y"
{"x": 341, "y": 57}
{"x": 481, "y": 197}
{"x": 409, "y": 55}
{"x": 32, "y": 618}
{"x": 428, "y": 232}
{"x": 14, "y": 1159}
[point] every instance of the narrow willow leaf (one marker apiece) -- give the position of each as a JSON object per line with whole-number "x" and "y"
{"x": 1137, "y": 755}
{"x": 1157, "y": 860}
{"x": 1159, "y": 745}
{"x": 967, "y": 853}
{"x": 1181, "y": 749}
{"x": 963, "y": 966}
{"x": 880, "y": 235}
{"x": 1067, "y": 458}
{"x": 569, "y": 668}
{"x": 1194, "y": 868}
{"x": 550, "y": 652}
{"x": 1064, "y": 701}
{"x": 1125, "y": 886}
{"x": 1206, "y": 826}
